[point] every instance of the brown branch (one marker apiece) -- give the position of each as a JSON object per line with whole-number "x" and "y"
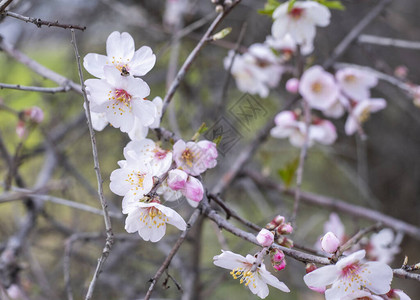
{"x": 38, "y": 22}
{"x": 38, "y": 68}
{"x": 192, "y": 56}
{"x": 355, "y": 32}
{"x": 336, "y": 204}
{"x": 38, "y": 89}
{"x": 5, "y": 5}
{"x": 107, "y": 219}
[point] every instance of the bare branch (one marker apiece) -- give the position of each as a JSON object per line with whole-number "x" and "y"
{"x": 38, "y": 22}
{"x": 107, "y": 219}
{"x": 384, "y": 41}
{"x": 53, "y": 90}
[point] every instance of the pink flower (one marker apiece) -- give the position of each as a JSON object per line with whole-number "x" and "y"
{"x": 355, "y": 84}
{"x": 265, "y": 238}
{"x": 193, "y": 191}
{"x": 177, "y": 179}
{"x": 330, "y": 242}
{"x": 277, "y": 259}
{"x": 349, "y": 275}
{"x": 292, "y": 85}
{"x": 34, "y": 114}
{"x": 195, "y": 158}
{"x": 361, "y": 113}
{"x": 318, "y": 87}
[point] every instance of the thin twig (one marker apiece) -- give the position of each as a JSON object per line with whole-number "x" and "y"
{"x": 384, "y": 41}
{"x": 355, "y": 32}
{"x": 302, "y": 157}
{"x": 38, "y": 89}
{"x": 38, "y": 68}
{"x": 109, "y": 234}
{"x": 174, "y": 250}
{"x": 191, "y": 57}
{"x": 38, "y": 22}
{"x": 336, "y": 204}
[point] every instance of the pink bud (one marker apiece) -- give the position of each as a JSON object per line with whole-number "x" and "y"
{"x": 265, "y": 238}
{"x": 330, "y": 243}
{"x": 193, "y": 189}
{"x": 292, "y": 85}
{"x": 278, "y": 220}
{"x": 280, "y": 266}
{"x": 177, "y": 179}
{"x": 285, "y": 228}
{"x": 277, "y": 255}
{"x": 35, "y": 114}
{"x": 310, "y": 267}
{"x": 20, "y": 129}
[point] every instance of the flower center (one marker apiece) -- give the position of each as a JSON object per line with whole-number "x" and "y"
{"x": 350, "y": 270}
{"x": 160, "y": 153}
{"x": 153, "y": 212}
{"x": 364, "y": 115}
{"x": 244, "y": 276}
{"x": 350, "y": 78}
{"x": 136, "y": 179}
{"x": 296, "y": 13}
{"x": 188, "y": 157}
{"x": 122, "y": 96}
{"x": 316, "y": 87}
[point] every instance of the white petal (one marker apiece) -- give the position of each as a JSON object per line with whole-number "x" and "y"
{"x": 132, "y": 221}
{"x": 142, "y": 62}
{"x": 120, "y": 46}
{"x": 173, "y": 217}
{"x": 321, "y": 277}
{"x": 379, "y": 276}
{"x": 229, "y": 260}
{"x": 94, "y": 64}
{"x": 145, "y": 111}
{"x": 352, "y": 258}
{"x": 157, "y": 233}
{"x": 273, "y": 280}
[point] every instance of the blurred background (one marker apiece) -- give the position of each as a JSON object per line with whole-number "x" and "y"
{"x": 382, "y": 174}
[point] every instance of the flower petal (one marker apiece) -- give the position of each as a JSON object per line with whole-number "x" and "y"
{"x": 94, "y": 64}
{"x": 321, "y": 277}
{"x": 120, "y": 46}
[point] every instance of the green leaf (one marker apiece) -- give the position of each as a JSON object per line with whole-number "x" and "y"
{"x": 203, "y": 128}
{"x": 332, "y": 4}
{"x": 287, "y": 173}
{"x": 217, "y": 140}
{"x": 269, "y": 8}
{"x": 290, "y": 6}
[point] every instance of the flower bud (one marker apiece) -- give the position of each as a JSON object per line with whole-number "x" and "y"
{"x": 34, "y": 114}
{"x": 277, "y": 255}
{"x": 177, "y": 179}
{"x": 265, "y": 238}
{"x": 329, "y": 242}
{"x": 285, "y": 242}
{"x": 278, "y": 220}
{"x": 193, "y": 189}
{"x": 292, "y": 85}
{"x": 285, "y": 228}
{"x": 310, "y": 267}
{"x": 280, "y": 266}
{"x": 21, "y": 129}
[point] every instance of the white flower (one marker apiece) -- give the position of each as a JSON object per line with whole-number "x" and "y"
{"x": 383, "y": 246}
{"x": 139, "y": 131}
{"x": 121, "y": 99}
{"x": 338, "y": 108}
{"x": 361, "y": 113}
{"x": 286, "y": 45}
{"x": 241, "y": 269}
{"x": 147, "y": 151}
{"x": 149, "y": 220}
{"x": 355, "y": 83}
{"x": 133, "y": 180}
{"x": 120, "y": 54}
{"x": 349, "y": 275}
{"x": 300, "y": 21}
{"x": 323, "y": 132}
{"x": 318, "y": 87}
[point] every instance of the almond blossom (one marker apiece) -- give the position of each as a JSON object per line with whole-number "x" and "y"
{"x": 329, "y": 242}
{"x": 149, "y": 152}
{"x": 121, "y": 55}
{"x": 383, "y": 246}
{"x": 139, "y": 131}
{"x": 256, "y": 70}
{"x": 355, "y": 84}
{"x": 195, "y": 158}
{"x": 188, "y": 185}
{"x": 122, "y": 99}
{"x": 288, "y": 125}
{"x": 241, "y": 269}
{"x": 350, "y": 275}
{"x": 361, "y": 113}
{"x": 150, "y": 219}
{"x": 300, "y": 21}
{"x": 318, "y": 87}
{"x": 265, "y": 238}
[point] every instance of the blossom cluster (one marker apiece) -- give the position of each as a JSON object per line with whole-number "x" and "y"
{"x": 148, "y": 172}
